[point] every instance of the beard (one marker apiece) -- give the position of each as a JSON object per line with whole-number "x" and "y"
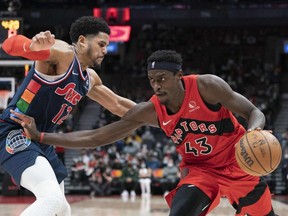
{"x": 95, "y": 65}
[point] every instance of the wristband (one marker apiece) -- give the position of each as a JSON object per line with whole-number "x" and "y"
{"x": 41, "y": 137}
{"x": 19, "y": 45}
{"x": 26, "y": 46}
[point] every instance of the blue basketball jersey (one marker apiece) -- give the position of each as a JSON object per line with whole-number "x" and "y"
{"x": 49, "y": 102}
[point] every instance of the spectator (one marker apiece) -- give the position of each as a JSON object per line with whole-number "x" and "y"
{"x": 148, "y": 138}
{"x": 171, "y": 176}
{"x": 153, "y": 161}
{"x": 100, "y": 182}
{"x": 284, "y": 139}
{"x": 129, "y": 182}
{"x": 145, "y": 179}
{"x": 78, "y": 176}
{"x": 130, "y": 148}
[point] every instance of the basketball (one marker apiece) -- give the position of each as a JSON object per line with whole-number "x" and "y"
{"x": 258, "y": 153}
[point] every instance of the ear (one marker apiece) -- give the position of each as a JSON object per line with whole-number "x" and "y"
{"x": 82, "y": 41}
{"x": 179, "y": 74}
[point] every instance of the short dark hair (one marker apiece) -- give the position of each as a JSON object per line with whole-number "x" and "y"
{"x": 165, "y": 56}
{"x": 88, "y": 25}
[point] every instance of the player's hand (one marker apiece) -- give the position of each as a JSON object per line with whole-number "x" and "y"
{"x": 28, "y": 124}
{"x": 42, "y": 41}
{"x": 259, "y": 129}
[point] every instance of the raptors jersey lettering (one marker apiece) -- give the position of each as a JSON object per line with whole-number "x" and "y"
{"x": 202, "y": 136}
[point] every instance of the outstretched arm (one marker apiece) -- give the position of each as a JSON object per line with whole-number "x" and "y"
{"x": 140, "y": 115}
{"x": 116, "y": 104}
{"x": 37, "y": 48}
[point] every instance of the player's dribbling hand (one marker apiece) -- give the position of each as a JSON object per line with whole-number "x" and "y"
{"x": 258, "y": 129}
{"x": 28, "y": 124}
{"x": 42, "y": 41}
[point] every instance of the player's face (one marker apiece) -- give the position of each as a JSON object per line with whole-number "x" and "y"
{"x": 97, "y": 49}
{"x": 166, "y": 85}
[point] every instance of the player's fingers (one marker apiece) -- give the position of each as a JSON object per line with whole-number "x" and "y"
{"x": 257, "y": 129}
{"x": 41, "y": 38}
{"x": 23, "y": 117}
{"x": 19, "y": 115}
{"x": 27, "y": 134}
{"x": 16, "y": 120}
{"x": 48, "y": 35}
{"x": 52, "y": 39}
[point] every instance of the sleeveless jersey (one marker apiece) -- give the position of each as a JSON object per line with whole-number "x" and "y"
{"x": 49, "y": 102}
{"x": 203, "y": 137}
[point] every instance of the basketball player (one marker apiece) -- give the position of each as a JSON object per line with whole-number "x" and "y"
{"x": 196, "y": 112}
{"x": 57, "y": 81}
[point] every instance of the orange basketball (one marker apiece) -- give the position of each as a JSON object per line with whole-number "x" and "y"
{"x": 258, "y": 153}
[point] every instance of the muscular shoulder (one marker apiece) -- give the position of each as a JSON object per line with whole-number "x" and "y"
{"x": 61, "y": 51}
{"x": 212, "y": 87}
{"x": 94, "y": 77}
{"x": 207, "y": 80}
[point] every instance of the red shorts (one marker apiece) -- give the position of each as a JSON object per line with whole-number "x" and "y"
{"x": 230, "y": 182}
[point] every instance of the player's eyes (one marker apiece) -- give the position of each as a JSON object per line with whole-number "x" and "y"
{"x": 102, "y": 45}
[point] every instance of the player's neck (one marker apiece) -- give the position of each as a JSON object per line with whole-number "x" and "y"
{"x": 79, "y": 56}
{"x": 175, "y": 105}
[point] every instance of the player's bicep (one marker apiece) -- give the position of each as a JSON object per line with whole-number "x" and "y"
{"x": 99, "y": 92}
{"x": 104, "y": 96}
{"x": 61, "y": 52}
{"x": 238, "y": 104}
{"x": 232, "y": 100}
{"x": 216, "y": 91}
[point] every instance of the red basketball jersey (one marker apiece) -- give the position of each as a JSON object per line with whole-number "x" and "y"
{"x": 202, "y": 136}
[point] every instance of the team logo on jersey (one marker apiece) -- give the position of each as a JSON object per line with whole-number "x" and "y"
{"x": 193, "y": 106}
{"x": 75, "y": 73}
{"x": 16, "y": 141}
{"x": 86, "y": 86}
{"x": 166, "y": 123}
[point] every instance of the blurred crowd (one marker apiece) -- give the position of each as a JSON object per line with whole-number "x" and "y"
{"x": 137, "y": 163}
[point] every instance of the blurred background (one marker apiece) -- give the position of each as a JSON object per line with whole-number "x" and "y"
{"x": 243, "y": 41}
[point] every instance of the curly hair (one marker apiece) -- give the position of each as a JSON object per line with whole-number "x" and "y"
{"x": 165, "y": 56}
{"x": 88, "y": 25}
